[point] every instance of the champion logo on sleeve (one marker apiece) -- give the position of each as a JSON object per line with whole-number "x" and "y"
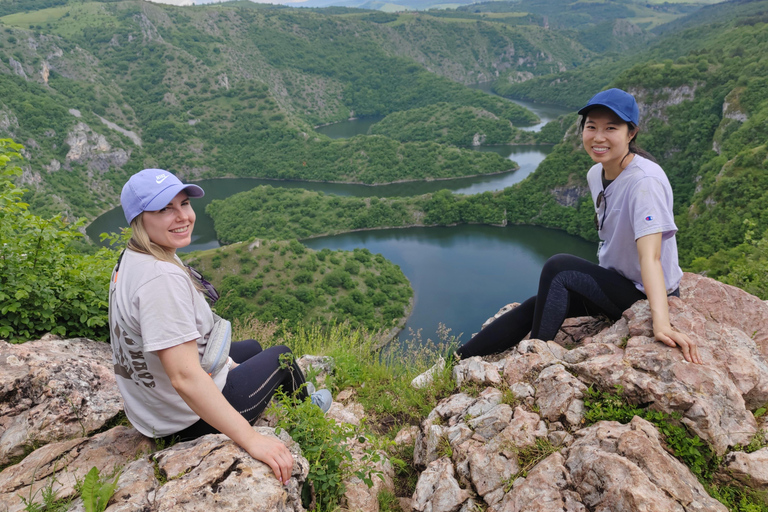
{"x": 649, "y": 218}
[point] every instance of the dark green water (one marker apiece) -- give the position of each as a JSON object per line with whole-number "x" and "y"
{"x": 462, "y": 275}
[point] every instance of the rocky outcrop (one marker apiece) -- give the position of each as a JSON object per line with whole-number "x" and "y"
{"x": 93, "y": 149}
{"x": 654, "y": 103}
{"x": 209, "y": 473}
{"x": 52, "y": 390}
{"x": 61, "y": 465}
{"x": 523, "y": 445}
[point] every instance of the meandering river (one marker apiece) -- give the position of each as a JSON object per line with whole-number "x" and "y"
{"x": 460, "y": 275}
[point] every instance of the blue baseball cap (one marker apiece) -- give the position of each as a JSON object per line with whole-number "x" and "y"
{"x": 622, "y": 103}
{"x": 151, "y": 190}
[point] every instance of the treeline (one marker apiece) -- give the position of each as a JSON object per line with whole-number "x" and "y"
{"x": 281, "y": 281}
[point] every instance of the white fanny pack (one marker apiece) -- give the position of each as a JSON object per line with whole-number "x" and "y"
{"x": 216, "y": 351}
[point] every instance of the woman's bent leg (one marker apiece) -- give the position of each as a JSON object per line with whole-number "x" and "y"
{"x": 569, "y": 286}
{"x": 250, "y": 386}
{"x": 503, "y": 333}
{"x": 241, "y": 351}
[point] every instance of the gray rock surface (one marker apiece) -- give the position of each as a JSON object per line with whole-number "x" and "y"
{"x": 543, "y": 459}
{"x": 62, "y": 464}
{"x": 52, "y": 390}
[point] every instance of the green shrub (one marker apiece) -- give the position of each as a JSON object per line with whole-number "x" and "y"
{"x": 45, "y": 284}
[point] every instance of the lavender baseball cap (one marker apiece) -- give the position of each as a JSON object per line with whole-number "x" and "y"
{"x": 622, "y": 103}
{"x": 151, "y": 190}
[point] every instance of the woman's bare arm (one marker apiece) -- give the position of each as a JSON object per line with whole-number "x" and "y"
{"x": 652, "y": 274}
{"x": 197, "y": 389}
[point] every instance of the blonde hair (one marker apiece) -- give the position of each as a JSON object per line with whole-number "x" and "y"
{"x": 140, "y": 242}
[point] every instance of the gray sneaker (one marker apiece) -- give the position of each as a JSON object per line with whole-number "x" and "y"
{"x": 322, "y": 398}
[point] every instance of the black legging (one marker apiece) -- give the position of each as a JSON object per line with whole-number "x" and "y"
{"x": 250, "y": 386}
{"x": 569, "y": 286}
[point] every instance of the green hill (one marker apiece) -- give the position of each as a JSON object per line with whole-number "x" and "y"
{"x": 284, "y": 281}
{"x": 98, "y": 90}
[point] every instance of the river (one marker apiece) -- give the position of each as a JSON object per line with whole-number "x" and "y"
{"x": 460, "y": 275}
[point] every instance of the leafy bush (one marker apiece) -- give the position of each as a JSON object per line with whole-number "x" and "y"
{"x": 45, "y": 284}
{"x": 327, "y": 446}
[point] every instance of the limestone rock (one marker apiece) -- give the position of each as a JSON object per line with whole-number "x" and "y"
{"x": 54, "y": 389}
{"x": 358, "y": 496}
{"x": 213, "y": 473}
{"x": 62, "y": 464}
{"x": 625, "y": 467}
{"x": 407, "y": 436}
{"x": 437, "y": 489}
{"x": 750, "y": 469}
{"x": 320, "y": 366}
{"x": 475, "y": 370}
{"x": 351, "y": 413}
{"x": 714, "y": 398}
{"x": 559, "y": 395}
{"x": 492, "y": 422}
{"x": 545, "y": 489}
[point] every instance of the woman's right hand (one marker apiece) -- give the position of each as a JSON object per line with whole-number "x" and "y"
{"x": 272, "y": 452}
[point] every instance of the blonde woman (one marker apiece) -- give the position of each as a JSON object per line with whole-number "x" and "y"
{"x": 163, "y": 329}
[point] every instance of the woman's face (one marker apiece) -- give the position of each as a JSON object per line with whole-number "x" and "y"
{"x": 606, "y": 138}
{"x": 171, "y": 226}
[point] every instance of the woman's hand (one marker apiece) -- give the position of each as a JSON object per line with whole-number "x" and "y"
{"x": 673, "y": 338}
{"x": 273, "y": 453}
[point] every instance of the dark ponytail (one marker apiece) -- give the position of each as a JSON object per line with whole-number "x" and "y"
{"x": 633, "y": 147}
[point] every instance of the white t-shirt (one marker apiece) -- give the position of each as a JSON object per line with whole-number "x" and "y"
{"x": 157, "y": 301}
{"x": 637, "y": 203}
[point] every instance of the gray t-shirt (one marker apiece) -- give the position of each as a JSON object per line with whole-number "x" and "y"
{"x": 158, "y": 302}
{"x": 638, "y": 203}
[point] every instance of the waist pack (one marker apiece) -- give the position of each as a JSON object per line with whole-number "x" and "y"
{"x": 216, "y": 351}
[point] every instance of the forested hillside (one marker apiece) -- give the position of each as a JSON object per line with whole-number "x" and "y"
{"x": 98, "y": 90}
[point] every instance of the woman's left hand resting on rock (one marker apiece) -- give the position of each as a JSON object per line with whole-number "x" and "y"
{"x": 197, "y": 389}
{"x": 652, "y": 273}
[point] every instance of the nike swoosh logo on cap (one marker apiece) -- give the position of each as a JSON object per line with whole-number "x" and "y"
{"x": 160, "y": 178}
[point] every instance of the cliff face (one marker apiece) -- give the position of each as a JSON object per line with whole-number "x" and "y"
{"x": 525, "y": 443}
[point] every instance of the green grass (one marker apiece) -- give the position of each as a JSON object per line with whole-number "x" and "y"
{"x": 24, "y": 19}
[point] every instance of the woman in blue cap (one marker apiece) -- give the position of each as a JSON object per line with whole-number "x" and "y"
{"x": 637, "y": 252}
{"x": 177, "y": 372}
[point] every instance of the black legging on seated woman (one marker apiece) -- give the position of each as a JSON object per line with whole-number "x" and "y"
{"x": 569, "y": 286}
{"x": 250, "y": 386}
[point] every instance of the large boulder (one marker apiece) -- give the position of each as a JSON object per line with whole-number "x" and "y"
{"x": 53, "y": 389}
{"x": 61, "y": 465}
{"x": 715, "y": 398}
{"x": 545, "y": 459}
{"x": 209, "y": 473}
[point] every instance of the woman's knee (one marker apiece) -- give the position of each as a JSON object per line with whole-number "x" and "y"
{"x": 559, "y": 263}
